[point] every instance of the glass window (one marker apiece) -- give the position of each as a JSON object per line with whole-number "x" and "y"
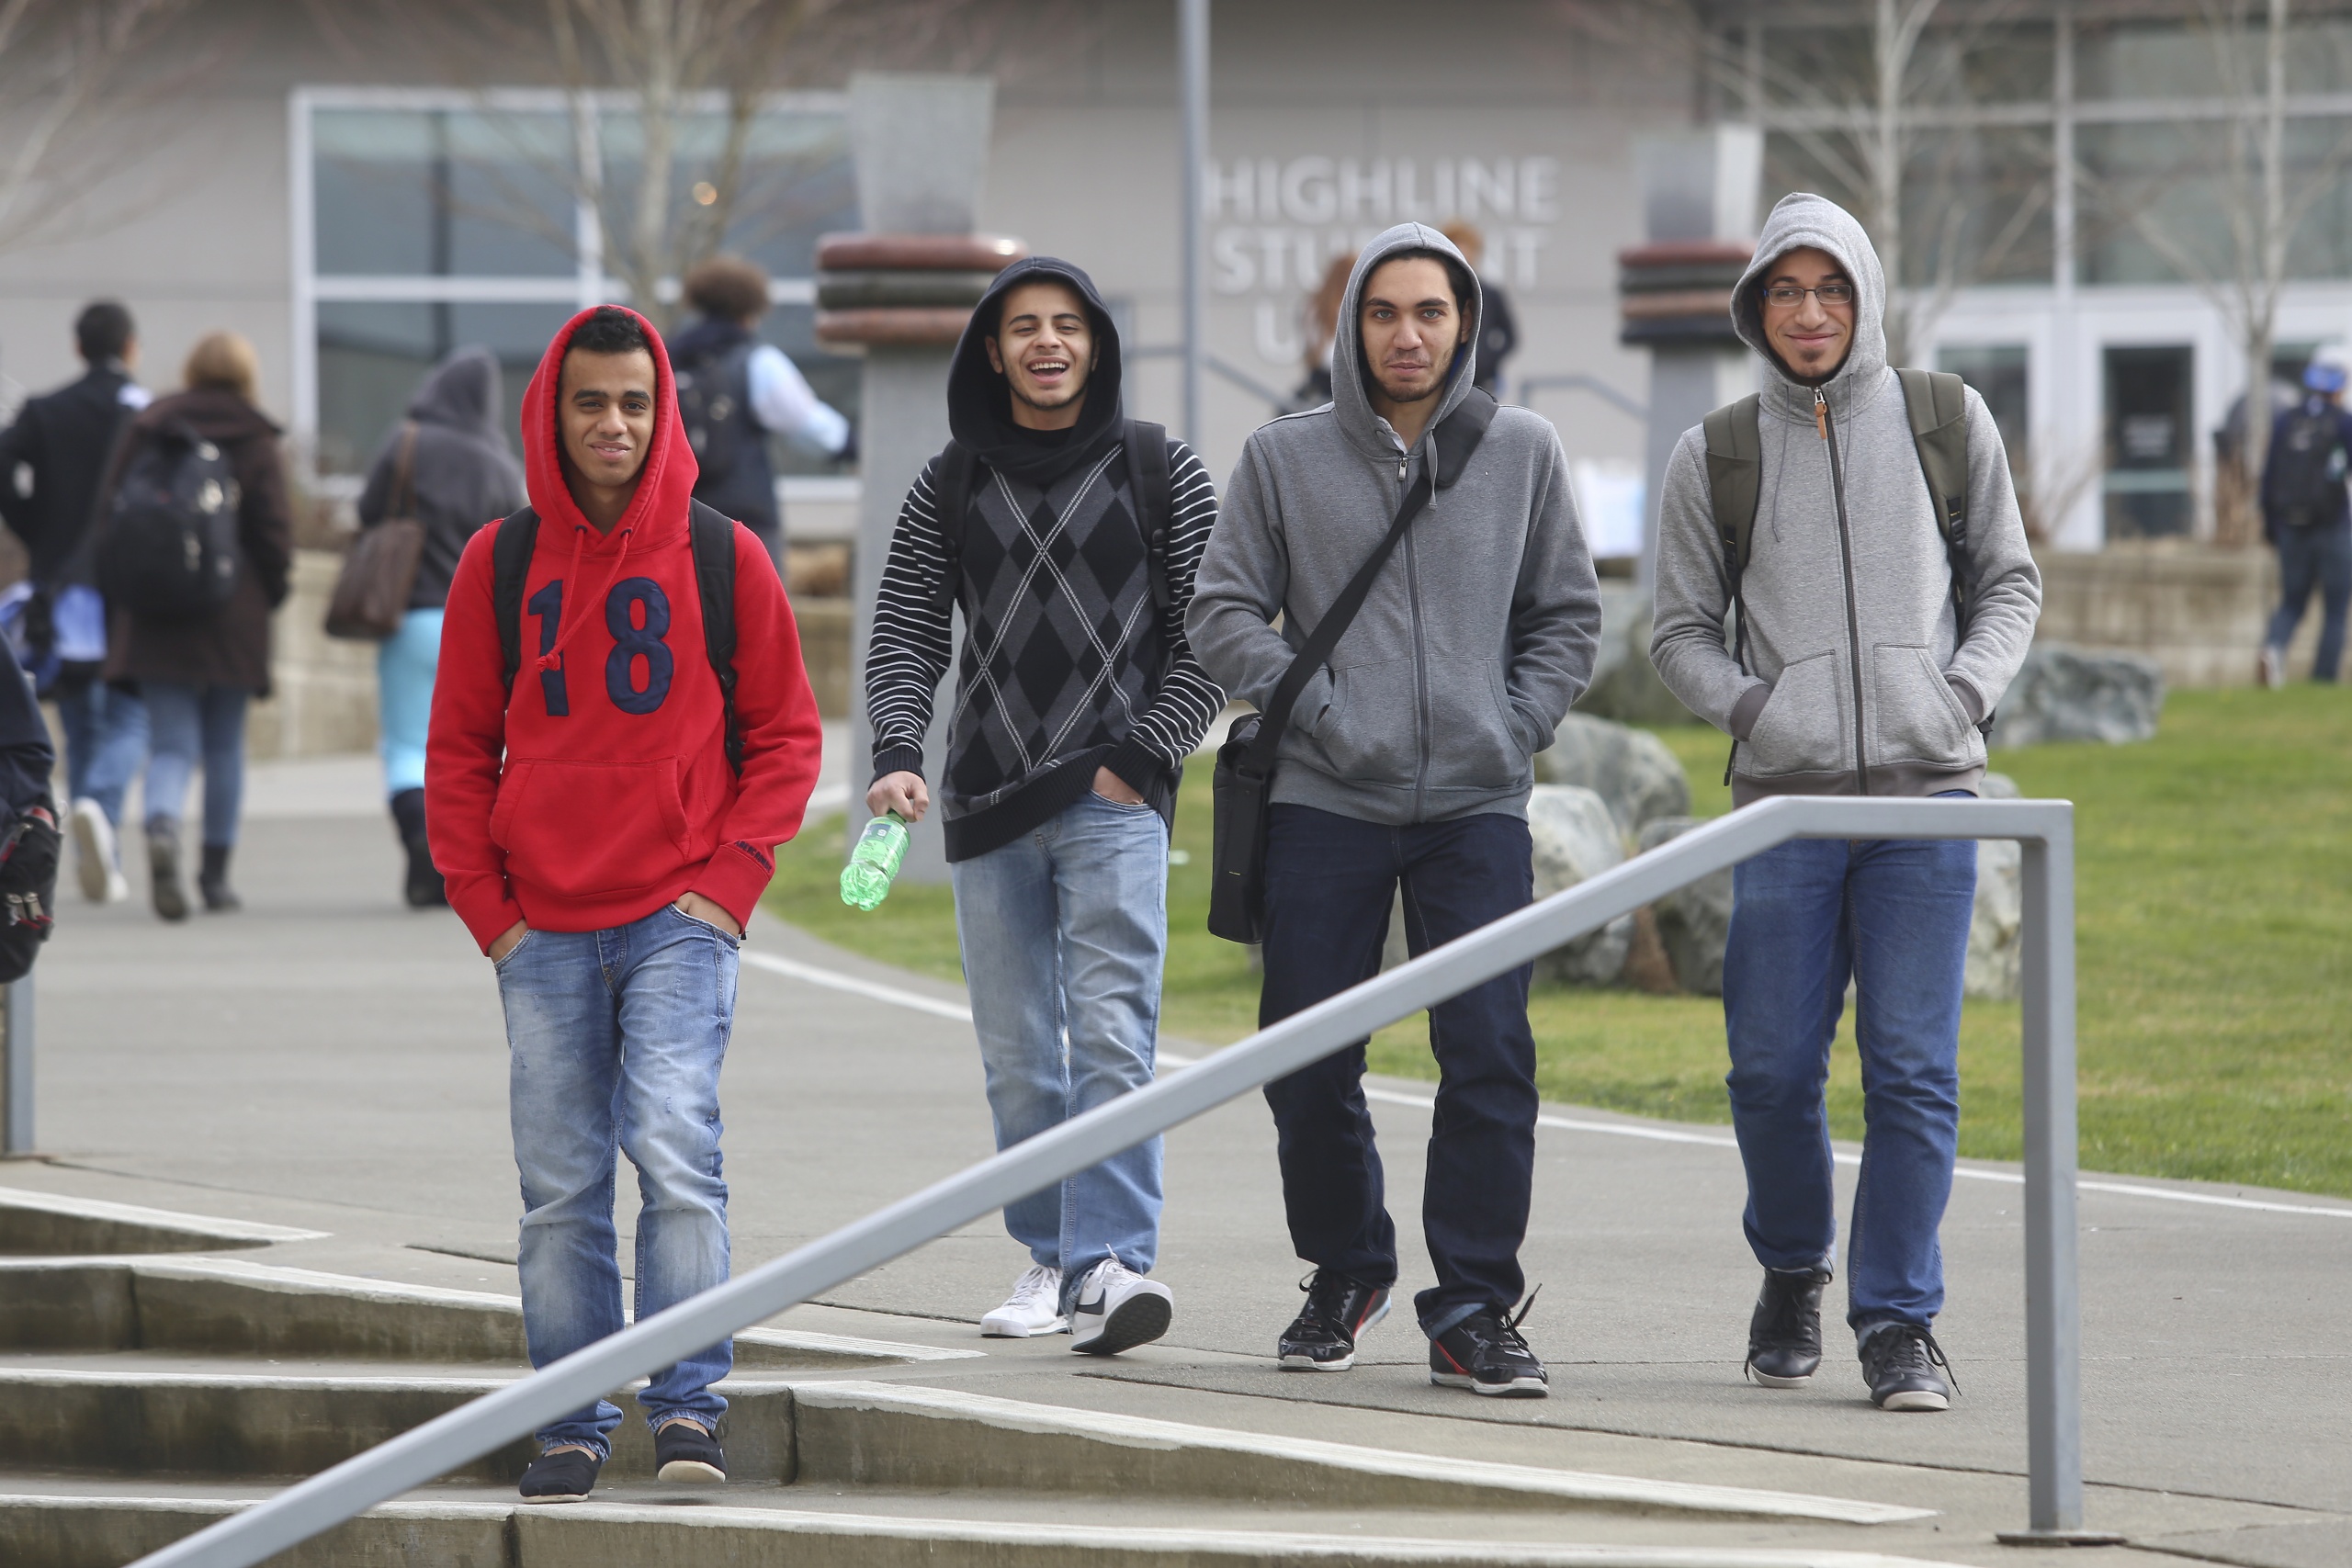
{"x": 373, "y": 355}
{"x": 1975, "y": 200}
{"x": 442, "y": 193}
{"x": 1998, "y": 373}
{"x": 2147, "y": 493}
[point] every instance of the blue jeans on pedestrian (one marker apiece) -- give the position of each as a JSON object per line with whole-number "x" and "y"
{"x": 614, "y": 1040}
{"x": 1892, "y": 915}
{"x": 1065, "y": 931}
{"x": 2310, "y": 557}
{"x": 187, "y": 724}
{"x": 1331, "y": 881}
{"x": 405, "y": 662}
{"x": 105, "y": 740}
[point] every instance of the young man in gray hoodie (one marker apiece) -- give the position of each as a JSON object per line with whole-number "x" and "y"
{"x": 1855, "y": 667}
{"x": 1408, "y": 759}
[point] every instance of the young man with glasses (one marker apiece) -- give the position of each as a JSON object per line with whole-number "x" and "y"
{"x": 1853, "y": 666}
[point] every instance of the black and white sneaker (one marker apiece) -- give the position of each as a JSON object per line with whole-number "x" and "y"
{"x": 1339, "y": 1311}
{"x": 686, "y": 1451}
{"x": 1901, "y": 1362}
{"x": 1485, "y": 1354}
{"x": 1117, "y": 1310}
{"x": 560, "y": 1475}
{"x": 1785, "y": 1333}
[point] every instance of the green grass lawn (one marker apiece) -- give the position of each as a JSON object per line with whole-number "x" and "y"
{"x": 2214, "y": 939}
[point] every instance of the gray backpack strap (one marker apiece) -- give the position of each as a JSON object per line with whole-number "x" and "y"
{"x": 1936, "y": 403}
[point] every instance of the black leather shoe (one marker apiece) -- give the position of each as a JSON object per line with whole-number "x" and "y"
{"x": 1785, "y": 1335}
{"x": 566, "y": 1475}
{"x": 1485, "y": 1354}
{"x": 683, "y": 1451}
{"x": 1339, "y": 1311}
{"x": 1901, "y": 1364}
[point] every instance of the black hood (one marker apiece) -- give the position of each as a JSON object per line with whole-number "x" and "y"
{"x": 980, "y": 405}
{"x": 462, "y": 394}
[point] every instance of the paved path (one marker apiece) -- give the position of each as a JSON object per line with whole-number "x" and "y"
{"x": 332, "y": 1060}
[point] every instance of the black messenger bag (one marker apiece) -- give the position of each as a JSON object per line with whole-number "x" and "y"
{"x": 1245, "y": 764}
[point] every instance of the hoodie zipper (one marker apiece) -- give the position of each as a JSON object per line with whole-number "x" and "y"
{"x": 1821, "y": 422}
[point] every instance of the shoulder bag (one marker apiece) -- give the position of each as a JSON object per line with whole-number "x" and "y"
{"x": 371, "y": 593}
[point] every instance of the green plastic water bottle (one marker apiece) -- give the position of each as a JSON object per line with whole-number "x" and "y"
{"x": 865, "y": 880}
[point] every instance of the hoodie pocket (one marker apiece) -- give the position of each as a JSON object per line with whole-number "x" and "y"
{"x": 588, "y": 830}
{"x": 1470, "y": 744}
{"x": 1802, "y": 727}
{"x": 1368, "y": 734}
{"x": 1918, "y": 719}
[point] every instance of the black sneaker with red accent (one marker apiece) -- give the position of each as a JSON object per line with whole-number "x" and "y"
{"x": 1338, "y": 1312}
{"x": 1485, "y": 1354}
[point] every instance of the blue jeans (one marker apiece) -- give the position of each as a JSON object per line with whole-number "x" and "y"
{"x": 405, "y": 662}
{"x": 105, "y": 740}
{"x": 2310, "y": 557}
{"x": 1064, "y": 932}
{"x": 188, "y": 722}
{"x": 615, "y": 1040}
{"x": 1892, "y": 915}
{"x": 1331, "y": 881}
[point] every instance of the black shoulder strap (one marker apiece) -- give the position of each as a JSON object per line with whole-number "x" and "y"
{"x": 1937, "y": 404}
{"x": 713, "y": 535}
{"x": 952, "y": 473}
{"x": 1735, "y": 480}
{"x": 1148, "y": 483}
{"x": 509, "y": 563}
{"x": 1454, "y": 442}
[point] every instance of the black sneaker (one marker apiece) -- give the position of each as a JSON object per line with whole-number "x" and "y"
{"x": 1322, "y": 1338}
{"x": 1785, "y": 1335}
{"x": 1485, "y": 1354}
{"x": 682, "y": 1451}
{"x": 1900, "y": 1363}
{"x": 564, "y": 1475}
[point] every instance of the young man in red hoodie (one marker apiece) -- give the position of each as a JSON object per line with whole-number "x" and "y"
{"x": 606, "y": 827}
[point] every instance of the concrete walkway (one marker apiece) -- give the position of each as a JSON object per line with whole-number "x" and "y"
{"x": 332, "y": 1061}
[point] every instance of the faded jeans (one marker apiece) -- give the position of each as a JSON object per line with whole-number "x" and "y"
{"x": 106, "y": 741}
{"x": 405, "y": 663}
{"x": 1064, "y": 933}
{"x": 614, "y": 1040}
{"x": 187, "y": 724}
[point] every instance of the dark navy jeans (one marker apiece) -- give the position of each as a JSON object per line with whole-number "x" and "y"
{"x": 1893, "y": 915}
{"x": 2314, "y": 557}
{"x": 1331, "y": 881}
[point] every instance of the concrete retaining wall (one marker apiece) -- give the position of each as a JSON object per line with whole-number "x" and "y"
{"x": 2199, "y": 613}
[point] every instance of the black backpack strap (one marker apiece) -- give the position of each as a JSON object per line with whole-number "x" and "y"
{"x": 1937, "y": 404}
{"x": 1148, "y": 483}
{"x": 1734, "y": 481}
{"x": 509, "y": 563}
{"x": 1454, "y": 442}
{"x": 952, "y": 475}
{"x": 713, "y": 535}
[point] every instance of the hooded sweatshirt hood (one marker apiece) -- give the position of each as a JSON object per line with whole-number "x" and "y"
{"x": 665, "y": 485}
{"x": 461, "y": 394}
{"x": 1797, "y": 221}
{"x": 1350, "y": 400}
{"x": 979, "y": 403}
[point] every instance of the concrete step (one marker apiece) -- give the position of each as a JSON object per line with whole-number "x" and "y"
{"x": 45, "y": 1225}
{"x": 231, "y": 1306}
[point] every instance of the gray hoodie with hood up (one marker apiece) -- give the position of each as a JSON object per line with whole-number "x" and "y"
{"x": 1478, "y": 633}
{"x": 1855, "y": 680}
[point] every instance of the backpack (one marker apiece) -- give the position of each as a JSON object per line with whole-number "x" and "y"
{"x": 2304, "y": 479}
{"x": 1937, "y": 404}
{"x": 713, "y": 537}
{"x": 1147, "y": 480}
{"x": 714, "y": 403}
{"x": 169, "y": 551}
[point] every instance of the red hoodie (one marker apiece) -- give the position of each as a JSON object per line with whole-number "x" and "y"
{"x": 621, "y": 800}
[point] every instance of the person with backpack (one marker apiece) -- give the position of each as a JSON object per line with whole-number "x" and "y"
{"x": 2307, "y": 513}
{"x": 734, "y": 391}
{"x": 1069, "y": 535}
{"x": 28, "y": 836}
{"x": 447, "y": 467}
{"x": 622, "y": 734}
{"x": 1440, "y": 613}
{"x": 196, "y": 553}
{"x": 61, "y": 441}
{"x": 1844, "y": 587}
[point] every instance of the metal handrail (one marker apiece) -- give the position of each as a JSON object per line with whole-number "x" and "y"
{"x": 2043, "y": 828}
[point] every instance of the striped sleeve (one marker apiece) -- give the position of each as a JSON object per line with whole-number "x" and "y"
{"x": 1187, "y": 700}
{"x": 908, "y": 652}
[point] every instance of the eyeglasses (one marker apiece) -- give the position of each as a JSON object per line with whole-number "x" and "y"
{"x": 1829, "y": 294}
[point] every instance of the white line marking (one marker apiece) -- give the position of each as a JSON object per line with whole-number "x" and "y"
{"x": 898, "y": 998}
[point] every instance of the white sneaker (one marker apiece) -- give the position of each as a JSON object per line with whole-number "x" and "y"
{"x": 1118, "y": 1309}
{"x": 2272, "y": 673}
{"x": 1035, "y": 1306}
{"x": 93, "y": 866}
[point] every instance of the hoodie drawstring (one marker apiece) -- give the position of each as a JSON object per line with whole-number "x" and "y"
{"x": 569, "y": 623}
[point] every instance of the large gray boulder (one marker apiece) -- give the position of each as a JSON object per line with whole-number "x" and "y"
{"x": 1577, "y": 839}
{"x": 2062, "y": 693}
{"x": 1693, "y": 922}
{"x": 1996, "y": 927}
{"x": 1625, "y": 685}
{"x": 1632, "y": 770}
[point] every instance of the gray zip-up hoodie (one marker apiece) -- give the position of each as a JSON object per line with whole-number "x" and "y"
{"x": 1477, "y": 634}
{"x": 1855, "y": 680}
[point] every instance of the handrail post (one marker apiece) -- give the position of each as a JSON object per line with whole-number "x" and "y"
{"x": 17, "y": 1066}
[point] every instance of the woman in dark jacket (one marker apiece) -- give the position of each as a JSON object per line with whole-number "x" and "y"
{"x": 460, "y": 476}
{"x": 198, "y": 675}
